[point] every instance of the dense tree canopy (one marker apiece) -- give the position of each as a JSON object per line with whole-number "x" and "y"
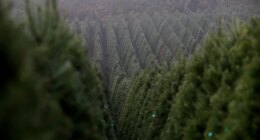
{"x": 212, "y": 95}
{"x": 130, "y": 69}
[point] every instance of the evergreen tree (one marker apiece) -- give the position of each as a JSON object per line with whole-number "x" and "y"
{"x": 212, "y": 96}
{"x": 50, "y": 90}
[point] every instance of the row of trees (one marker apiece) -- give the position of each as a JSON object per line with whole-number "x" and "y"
{"x": 123, "y": 46}
{"x": 48, "y": 89}
{"x": 212, "y": 95}
{"x": 106, "y": 8}
{"x": 178, "y": 98}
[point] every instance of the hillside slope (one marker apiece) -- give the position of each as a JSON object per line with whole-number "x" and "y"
{"x": 122, "y": 45}
{"x": 130, "y": 70}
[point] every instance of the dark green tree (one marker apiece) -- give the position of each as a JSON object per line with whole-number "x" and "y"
{"x": 50, "y": 90}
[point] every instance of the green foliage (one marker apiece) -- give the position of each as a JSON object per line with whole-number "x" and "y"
{"x": 213, "y": 95}
{"x": 123, "y": 43}
{"x": 48, "y": 90}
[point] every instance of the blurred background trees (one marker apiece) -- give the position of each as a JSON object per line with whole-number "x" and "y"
{"x": 144, "y": 69}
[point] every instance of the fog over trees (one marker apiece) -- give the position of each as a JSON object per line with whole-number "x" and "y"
{"x": 131, "y": 69}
